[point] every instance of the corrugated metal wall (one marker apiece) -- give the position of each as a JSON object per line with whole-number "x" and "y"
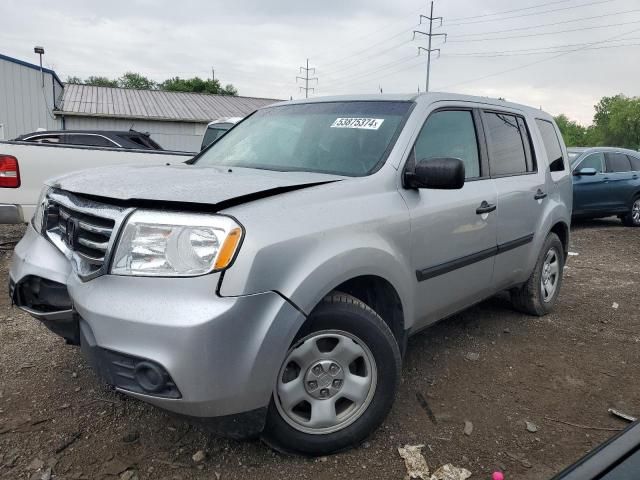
{"x": 24, "y": 105}
{"x": 182, "y": 136}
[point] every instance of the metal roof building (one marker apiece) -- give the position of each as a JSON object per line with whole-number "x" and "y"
{"x": 28, "y": 97}
{"x": 176, "y": 120}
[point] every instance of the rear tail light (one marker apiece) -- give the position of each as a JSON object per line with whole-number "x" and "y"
{"x": 9, "y": 172}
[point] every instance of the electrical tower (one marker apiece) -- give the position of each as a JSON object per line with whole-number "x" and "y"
{"x": 430, "y": 36}
{"x": 307, "y": 71}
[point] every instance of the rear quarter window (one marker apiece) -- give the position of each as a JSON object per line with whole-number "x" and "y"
{"x": 635, "y": 163}
{"x": 551, "y": 144}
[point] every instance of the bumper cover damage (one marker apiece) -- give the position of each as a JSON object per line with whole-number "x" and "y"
{"x": 172, "y": 342}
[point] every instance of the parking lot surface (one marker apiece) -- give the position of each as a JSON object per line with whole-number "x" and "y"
{"x": 488, "y": 366}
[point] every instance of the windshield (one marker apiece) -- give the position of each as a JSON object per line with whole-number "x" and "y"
{"x": 344, "y": 138}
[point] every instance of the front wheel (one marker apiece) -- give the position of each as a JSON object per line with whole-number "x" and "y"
{"x": 632, "y": 219}
{"x": 337, "y": 382}
{"x": 539, "y": 294}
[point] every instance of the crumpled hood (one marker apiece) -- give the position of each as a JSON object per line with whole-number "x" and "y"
{"x": 185, "y": 183}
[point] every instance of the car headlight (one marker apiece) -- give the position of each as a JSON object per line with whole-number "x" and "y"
{"x": 38, "y": 216}
{"x": 167, "y": 244}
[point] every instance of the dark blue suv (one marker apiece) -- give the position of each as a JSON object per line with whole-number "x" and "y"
{"x": 606, "y": 181}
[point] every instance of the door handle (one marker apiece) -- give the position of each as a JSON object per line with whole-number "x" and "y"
{"x": 635, "y": 177}
{"x": 539, "y": 195}
{"x": 605, "y": 179}
{"x": 485, "y": 207}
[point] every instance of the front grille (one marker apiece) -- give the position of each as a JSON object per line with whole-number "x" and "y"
{"x": 85, "y": 234}
{"x": 84, "y": 230}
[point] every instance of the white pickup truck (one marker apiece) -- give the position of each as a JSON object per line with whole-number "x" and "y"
{"x": 25, "y": 166}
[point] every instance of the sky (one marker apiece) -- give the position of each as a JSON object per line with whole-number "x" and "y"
{"x": 560, "y": 55}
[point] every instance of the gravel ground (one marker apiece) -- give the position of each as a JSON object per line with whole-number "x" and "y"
{"x": 489, "y": 366}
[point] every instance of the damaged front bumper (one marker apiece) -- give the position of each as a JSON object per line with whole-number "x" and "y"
{"x": 172, "y": 342}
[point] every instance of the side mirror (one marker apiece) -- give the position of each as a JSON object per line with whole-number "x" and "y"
{"x": 587, "y": 171}
{"x": 436, "y": 173}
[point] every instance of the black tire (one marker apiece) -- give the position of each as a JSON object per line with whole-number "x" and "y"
{"x": 339, "y": 311}
{"x": 529, "y": 297}
{"x": 628, "y": 219}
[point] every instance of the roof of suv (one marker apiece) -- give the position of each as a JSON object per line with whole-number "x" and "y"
{"x": 581, "y": 150}
{"x": 421, "y": 97}
{"x": 99, "y": 132}
{"x": 124, "y": 138}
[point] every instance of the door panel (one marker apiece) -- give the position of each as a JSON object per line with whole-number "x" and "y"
{"x": 591, "y": 194}
{"x": 518, "y": 215}
{"x": 620, "y": 180}
{"x": 452, "y": 248}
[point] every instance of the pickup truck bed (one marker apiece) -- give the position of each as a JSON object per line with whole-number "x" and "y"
{"x": 38, "y": 162}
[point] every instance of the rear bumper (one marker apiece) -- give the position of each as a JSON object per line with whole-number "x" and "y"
{"x": 10, "y": 214}
{"x": 222, "y": 354}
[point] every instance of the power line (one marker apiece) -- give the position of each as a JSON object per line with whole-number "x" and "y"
{"x": 545, "y": 33}
{"x": 393, "y": 72}
{"x": 455, "y": 19}
{"x": 540, "y": 61}
{"x": 371, "y": 46}
{"x": 525, "y": 51}
{"x": 376, "y": 32}
{"x": 373, "y": 56}
{"x": 430, "y": 36}
{"x": 541, "y": 52}
{"x": 532, "y": 14}
{"x": 370, "y": 72}
{"x": 307, "y": 79}
{"x": 548, "y": 24}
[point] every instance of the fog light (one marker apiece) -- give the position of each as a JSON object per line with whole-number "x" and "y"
{"x": 150, "y": 377}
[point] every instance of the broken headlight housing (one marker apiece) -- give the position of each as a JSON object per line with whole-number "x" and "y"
{"x": 38, "y": 216}
{"x": 169, "y": 244}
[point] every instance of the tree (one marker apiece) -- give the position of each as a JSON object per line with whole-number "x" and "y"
{"x": 175, "y": 84}
{"x": 616, "y": 123}
{"x": 101, "y": 82}
{"x": 196, "y": 84}
{"x": 230, "y": 90}
{"x": 136, "y": 80}
{"x": 574, "y": 134}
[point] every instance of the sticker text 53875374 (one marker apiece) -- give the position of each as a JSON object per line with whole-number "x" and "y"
{"x": 357, "y": 122}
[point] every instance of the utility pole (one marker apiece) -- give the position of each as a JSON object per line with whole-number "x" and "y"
{"x": 430, "y": 35}
{"x": 213, "y": 75}
{"x": 307, "y": 71}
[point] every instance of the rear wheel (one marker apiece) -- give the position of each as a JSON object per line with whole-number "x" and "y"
{"x": 632, "y": 219}
{"x": 337, "y": 382}
{"x": 538, "y": 295}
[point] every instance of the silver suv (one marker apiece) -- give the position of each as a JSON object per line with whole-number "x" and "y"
{"x": 270, "y": 284}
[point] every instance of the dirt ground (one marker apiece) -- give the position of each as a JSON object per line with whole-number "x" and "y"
{"x": 489, "y": 366}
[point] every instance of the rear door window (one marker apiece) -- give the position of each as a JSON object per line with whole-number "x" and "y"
{"x": 507, "y": 154}
{"x": 617, "y": 162}
{"x": 450, "y": 134}
{"x": 551, "y": 145}
{"x": 594, "y": 160}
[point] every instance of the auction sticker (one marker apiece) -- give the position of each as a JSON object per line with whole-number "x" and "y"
{"x": 357, "y": 122}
